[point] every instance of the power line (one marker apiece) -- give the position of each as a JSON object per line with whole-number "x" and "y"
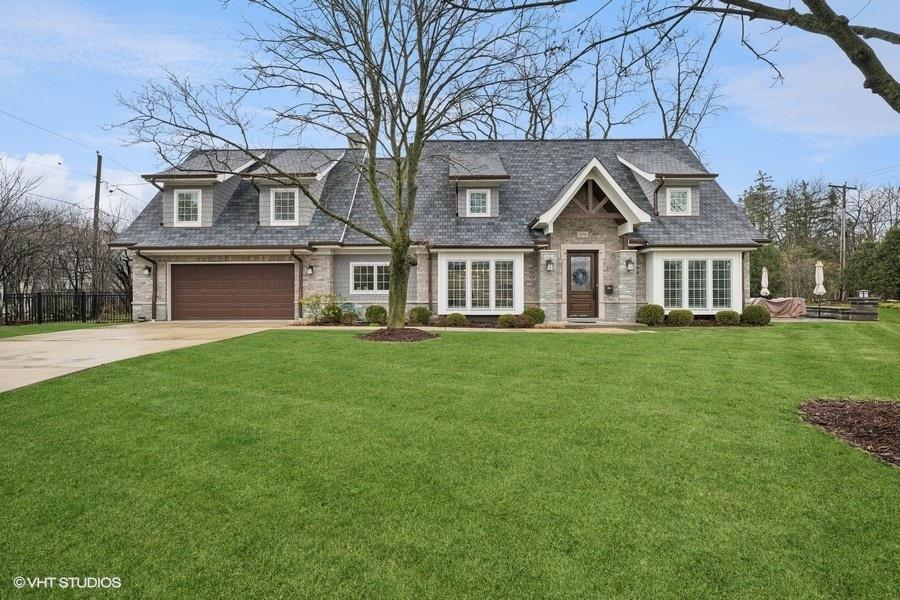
{"x": 873, "y": 172}
{"x": 65, "y": 137}
{"x": 27, "y": 122}
{"x": 56, "y": 167}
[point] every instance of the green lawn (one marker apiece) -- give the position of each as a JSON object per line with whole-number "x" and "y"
{"x": 14, "y": 330}
{"x": 292, "y": 463}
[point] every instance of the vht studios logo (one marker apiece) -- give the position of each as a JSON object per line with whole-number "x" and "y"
{"x": 73, "y": 583}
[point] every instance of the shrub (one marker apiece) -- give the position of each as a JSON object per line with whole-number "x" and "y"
{"x": 537, "y": 314}
{"x": 756, "y": 314}
{"x": 728, "y": 317}
{"x": 419, "y": 315}
{"x": 314, "y": 305}
{"x": 525, "y": 321}
{"x": 507, "y": 321}
{"x": 680, "y": 317}
{"x": 349, "y": 317}
{"x": 332, "y": 313}
{"x": 456, "y": 320}
{"x": 376, "y": 314}
{"x": 651, "y": 314}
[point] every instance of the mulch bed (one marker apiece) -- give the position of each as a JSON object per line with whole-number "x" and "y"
{"x": 407, "y": 334}
{"x": 870, "y": 426}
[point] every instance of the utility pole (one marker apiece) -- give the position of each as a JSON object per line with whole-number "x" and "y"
{"x": 843, "y": 245}
{"x": 95, "y": 256}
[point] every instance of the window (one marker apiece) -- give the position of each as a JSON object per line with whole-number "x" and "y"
{"x": 456, "y": 284}
{"x": 478, "y": 203}
{"x": 503, "y": 284}
{"x": 187, "y": 208}
{"x": 721, "y": 283}
{"x": 482, "y": 285}
{"x": 370, "y": 278}
{"x": 696, "y": 284}
{"x": 284, "y": 207}
{"x": 679, "y": 201}
{"x": 672, "y": 297}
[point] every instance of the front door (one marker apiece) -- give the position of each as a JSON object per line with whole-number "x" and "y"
{"x": 581, "y": 293}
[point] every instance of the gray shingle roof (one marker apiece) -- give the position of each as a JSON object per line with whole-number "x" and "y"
{"x": 483, "y": 165}
{"x": 201, "y": 162}
{"x": 299, "y": 161}
{"x": 665, "y": 163}
{"x": 537, "y": 170}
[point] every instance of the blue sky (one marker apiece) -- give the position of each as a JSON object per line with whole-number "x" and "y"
{"x": 62, "y": 64}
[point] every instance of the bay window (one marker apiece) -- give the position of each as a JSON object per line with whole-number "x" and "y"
{"x": 697, "y": 283}
{"x": 481, "y": 284}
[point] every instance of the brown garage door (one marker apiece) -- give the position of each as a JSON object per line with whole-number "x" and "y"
{"x": 233, "y": 291}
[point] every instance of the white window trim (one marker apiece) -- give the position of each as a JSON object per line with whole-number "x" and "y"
{"x": 656, "y": 280}
{"x": 375, "y": 265}
{"x": 488, "y": 207}
{"x": 199, "y": 220}
{"x": 296, "y": 219}
{"x": 518, "y": 282}
{"x": 687, "y": 210}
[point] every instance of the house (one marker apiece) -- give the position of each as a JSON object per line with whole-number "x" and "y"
{"x": 585, "y": 229}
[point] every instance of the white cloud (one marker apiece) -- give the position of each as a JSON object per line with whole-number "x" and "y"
{"x": 822, "y": 95}
{"x": 121, "y": 191}
{"x": 63, "y": 35}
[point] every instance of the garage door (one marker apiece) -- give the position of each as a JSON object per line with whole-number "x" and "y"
{"x": 233, "y": 291}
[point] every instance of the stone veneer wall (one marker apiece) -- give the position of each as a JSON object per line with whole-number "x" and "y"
{"x": 602, "y": 234}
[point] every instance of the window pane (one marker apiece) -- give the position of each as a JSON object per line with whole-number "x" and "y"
{"x": 283, "y": 205}
{"x": 481, "y": 284}
{"x": 363, "y": 278}
{"x": 721, "y": 283}
{"x": 187, "y": 208}
{"x": 503, "y": 284}
{"x": 478, "y": 203}
{"x": 678, "y": 201}
{"x": 672, "y": 283}
{"x": 697, "y": 284}
{"x": 456, "y": 284}
{"x": 384, "y": 278}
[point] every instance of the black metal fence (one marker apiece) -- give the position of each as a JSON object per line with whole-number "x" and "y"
{"x": 62, "y": 307}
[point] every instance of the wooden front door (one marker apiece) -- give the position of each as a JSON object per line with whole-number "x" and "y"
{"x": 581, "y": 290}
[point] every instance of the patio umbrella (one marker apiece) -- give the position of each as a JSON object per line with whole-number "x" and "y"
{"x": 820, "y": 279}
{"x": 764, "y": 283}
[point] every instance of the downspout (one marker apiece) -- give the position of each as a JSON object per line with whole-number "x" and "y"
{"x": 153, "y": 300}
{"x": 662, "y": 182}
{"x": 430, "y": 267}
{"x": 300, "y": 299}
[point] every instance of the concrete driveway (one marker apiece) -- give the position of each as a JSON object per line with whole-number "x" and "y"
{"x": 29, "y": 359}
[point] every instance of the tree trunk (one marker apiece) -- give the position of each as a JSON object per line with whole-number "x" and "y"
{"x": 400, "y": 266}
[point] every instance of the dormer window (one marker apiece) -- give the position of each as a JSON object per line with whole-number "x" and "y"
{"x": 187, "y": 208}
{"x": 284, "y": 206}
{"x": 678, "y": 201}
{"x": 478, "y": 203}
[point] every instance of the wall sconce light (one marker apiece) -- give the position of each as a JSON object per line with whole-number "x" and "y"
{"x": 549, "y": 264}
{"x": 309, "y": 269}
{"x": 629, "y": 264}
{"x": 148, "y": 269}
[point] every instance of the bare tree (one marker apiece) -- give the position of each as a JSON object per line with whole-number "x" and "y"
{"x": 400, "y": 73}
{"x": 609, "y": 99}
{"x": 819, "y": 19}
{"x": 677, "y": 72}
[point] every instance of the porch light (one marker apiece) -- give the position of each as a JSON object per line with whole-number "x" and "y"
{"x": 309, "y": 269}
{"x": 148, "y": 269}
{"x": 549, "y": 264}
{"x": 629, "y": 264}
